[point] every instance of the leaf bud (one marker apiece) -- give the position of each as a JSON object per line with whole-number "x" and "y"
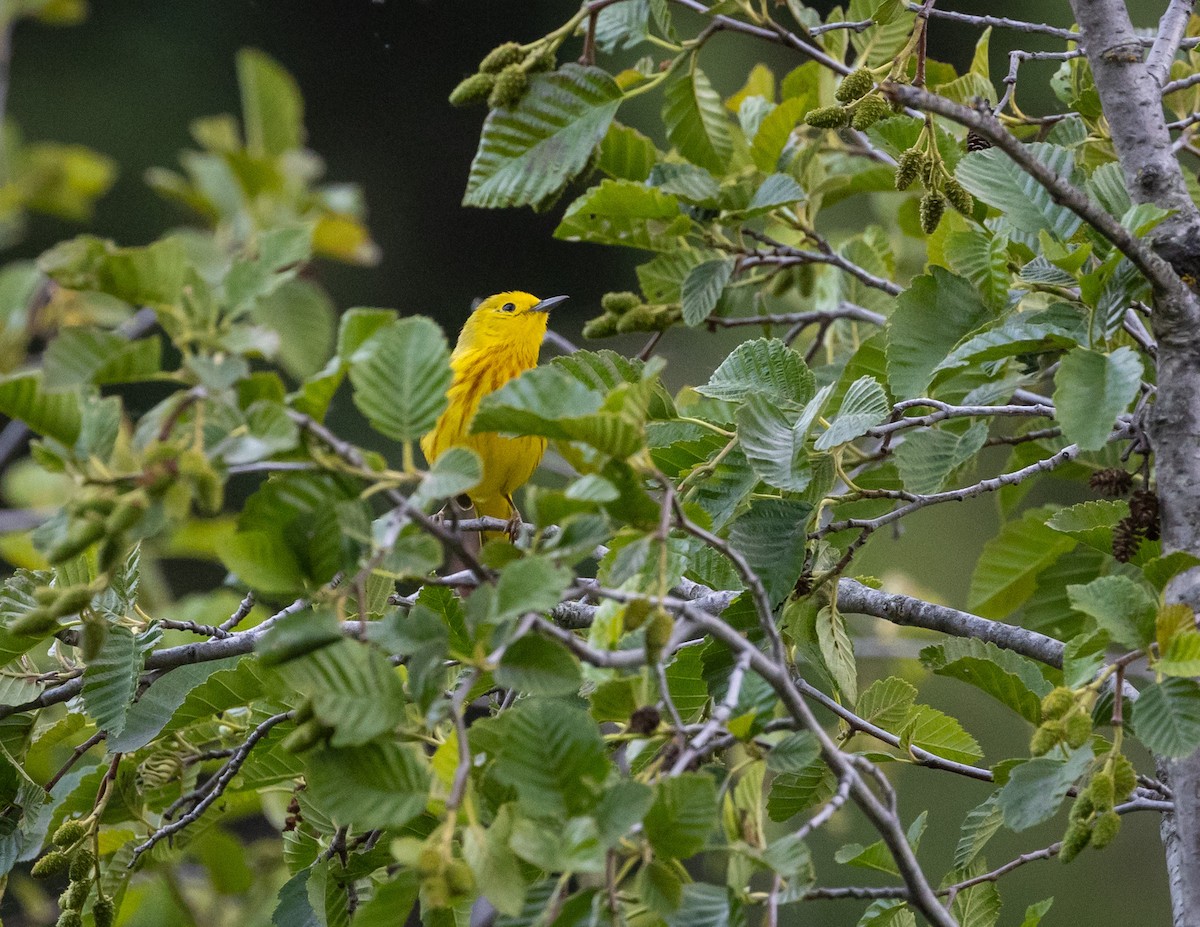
{"x": 869, "y": 111}
{"x": 501, "y": 57}
{"x": 79, "y": 538}
{"x": 83, "y": 865}
{"x": 472, "y": 90}
{"x": 1124, "y": 777}
{"x": 636, "y": 613}
{"x": 958, "y": 196}
{"x": 855, "y": 84}
{"x": 828, "y": 117}
{"x": 1057, "y": 703}
{"x": 69, "y": 832}
{"x": 1046, "y": 737}
{"x": 932, "y": 207}
{"x": 619, "y": 303}
{"x": 658, "y": 632}
{"x": 908, "y": 168}
{"x": 51, "y": 864}
{"x": 1074, "y": 840}
{"x": 103, "y": 912}
{"x": 511, "y": 84}
{"x": 1079, "y": 729}
{"x": 1105, "y": 829}
{"x": 35, "y": 622}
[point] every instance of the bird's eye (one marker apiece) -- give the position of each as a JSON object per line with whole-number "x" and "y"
{"x": 508, "y": 307}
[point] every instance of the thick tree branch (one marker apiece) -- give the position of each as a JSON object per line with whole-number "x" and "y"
{"x": 1166, "y": 44}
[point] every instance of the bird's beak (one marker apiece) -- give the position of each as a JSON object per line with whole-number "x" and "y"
{"x": 549, "y": 303}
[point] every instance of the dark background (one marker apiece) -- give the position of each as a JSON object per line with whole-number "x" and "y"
{"x": 375, "y": 76}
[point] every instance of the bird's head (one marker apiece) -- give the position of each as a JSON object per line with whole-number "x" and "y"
{"x": 507, "y": 318}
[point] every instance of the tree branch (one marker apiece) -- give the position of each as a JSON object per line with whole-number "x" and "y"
{"x": 1166, "y": 44}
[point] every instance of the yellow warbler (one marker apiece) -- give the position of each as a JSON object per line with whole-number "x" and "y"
{"x": 499, "y": 341}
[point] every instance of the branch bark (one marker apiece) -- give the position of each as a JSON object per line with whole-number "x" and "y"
{"x": 1130, "y": 92}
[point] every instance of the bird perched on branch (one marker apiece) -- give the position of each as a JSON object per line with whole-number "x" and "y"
{"x": 499, "y": 341}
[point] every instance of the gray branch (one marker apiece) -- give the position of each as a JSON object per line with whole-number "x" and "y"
{"x": 1170, "y": 34}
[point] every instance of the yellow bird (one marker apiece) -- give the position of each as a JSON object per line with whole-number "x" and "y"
{"x": 499, "y": 341}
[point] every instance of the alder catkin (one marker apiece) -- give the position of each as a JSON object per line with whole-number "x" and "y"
{"x": 933, "y": 205}
{"x": 501, "y": 57}
{"x": 827, "y": 117}
{"x": 855, "y": 85}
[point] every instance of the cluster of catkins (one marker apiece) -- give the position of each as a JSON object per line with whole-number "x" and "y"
{"x": 72, "y": 857}
{"x": 503, "y": 76}
{"x": 1143, "y": 518}
{"x": 625, "y": 312}
{"x": 858, "y": 106}
{"x": 940, "y": 186}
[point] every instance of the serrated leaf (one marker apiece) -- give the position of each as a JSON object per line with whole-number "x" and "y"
{"x": 703, "y": 905}
{"x": 864, "y": 406}
{"x": 110, "y": 679}
{"x": 838, "y": 652}
{"x": 81, "y": 356}
{"x": 529, "y": 152}
{"x": 772, "y": 536}
{"x": 1007, "y": 571}
{"x": 55, "y": 415}
{"x": 766, "y": 367}
{"x": 400, "y": 377}
{"x": 793, "y": 753}
{"x": 1058, "y": 328}
{"x": 1091, "y": 389}
{"x": 695, "y": 118}
{"x": 1182, "y": 655}
{"x": 938, "y": 733}
{"x": 1166, "y": 717}
{"x": 261, "y": 559}
{"x": 774, "y": 132}
{"x": 353, "y": 689}
{"x": 886, "y": 702}
{"x": 375, "y": 785}
{"x": 926, "y": 458}
{"x": 773, "y": 446}
{"x": 1027, "y": 207}
{"x": 977, "y": 905}
{"x": 777, "y": 190}
{"x": 539, "y": 666}
{"x": 931, "y": 317}
{"x": 682, "y": 815}
{"x": 686, "y": 181}
{"x": 982, "y": 258}
{"x": 625, "y": 213}
{"x": 702, "y": 289}
{"x": 794, "y": 792}
{"x": 1119, "y": 606}
{"x": 154, "y": 709}
{"x": 626, "y": 154}
{"x": 980, "y": 824}
{"x": 877, "y": 856}
{"x": 1013, "y": 680}
{"x": 1037, "y": 787}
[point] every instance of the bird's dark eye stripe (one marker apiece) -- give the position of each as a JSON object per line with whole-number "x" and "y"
{"x": 509, "y": 307}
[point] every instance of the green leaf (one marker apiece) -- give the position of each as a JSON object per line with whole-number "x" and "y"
{"x": 772, "y": 444}
{"x": 864, "y": 406}
{"x": 110, "y": 679}
{"x": 980, "y": 824}
{"x": 559, "y": 846}
{"x": 529, "y": 152}
{"x": 682, "y": 816}
{"x": 886, "y": 702}
{"x": 702, "y": 289}
{"x": 686, "y": 181}
{"x": 838, "y": 652}
{"x": 55, "y": 415}
{"x": 391, "y": 901}
{"x": 795, "y": 752}
{"x": 792, "y": 793}
{"x": 983, "y": 259}
{"x": 1120, "y": 606}
{"x": 627, "y": 154}
{"x": 376, "y": 785}
{"x": 1026, "y": 206}
{"x": 927, "y": 457}
{"x": 1007, "y": 571}
{"x": 772, "y": 536}
{"x": 552, "y": 755}
{"x": 627, "y": 214}
{"x": 877, "y": 856}
{"x": 703, "y": 905}
{"x": 766, "y": 367}
{"x": 226, "y": 688}
{"x": 695, "y": 118}
{"x": 1166, "y": 717}
{"x": 353, "y": 688}
{"x": 1091, "y": 389}
{"x": 400, "y": 377}
{"x": 977, "y": 905}
{"x": 150, "y": 713}
{"x": 1091, "y": 522}
{"x": 941, "y": 734}
{"x": 539, "y": 666}
{"x": 1037, "y": 787}
{"x": 1013, "y": 680}
{"x": 294, "y": 908}
{"x": 456, "y": 470}
{"x": 1182, "y": 656}
{"x": 79, "y": 356}
{"x": 777, "y": 190}
{"x": 931, "y": 317}
{"x": 302, "y": 315}
{"x": 1035, "y": 912}
{"x": 262, "y": 560}
{"x": 775, "y": 131}
{"x": 1059, "y": 327}
{"x": 272, "y": 108}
